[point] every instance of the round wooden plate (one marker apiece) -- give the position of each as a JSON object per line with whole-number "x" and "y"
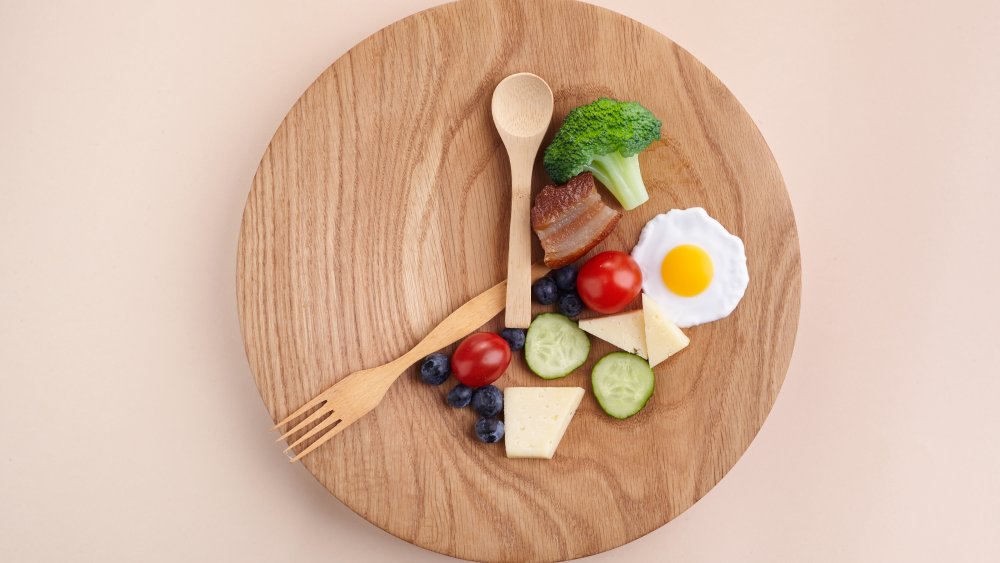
{"x": 381, "y": 205}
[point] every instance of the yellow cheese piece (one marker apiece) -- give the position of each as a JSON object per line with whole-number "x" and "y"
{"x": 535, "y": 419}
{"x": 625, "y": 330}
{"x": 663, "y": 338}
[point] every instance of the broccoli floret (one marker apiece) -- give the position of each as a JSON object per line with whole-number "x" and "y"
{"x": 605, "y": 137}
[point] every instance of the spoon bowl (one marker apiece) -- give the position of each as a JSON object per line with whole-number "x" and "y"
{"x": 522, "y": 106}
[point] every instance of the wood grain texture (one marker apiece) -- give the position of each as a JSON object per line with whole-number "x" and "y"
{"x": 381, "y": 205}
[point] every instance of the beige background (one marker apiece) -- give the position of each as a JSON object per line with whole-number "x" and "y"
{"x": 132, "y": 430}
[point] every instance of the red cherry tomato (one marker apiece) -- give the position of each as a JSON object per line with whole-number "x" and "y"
{"x": 480, "y": 359}
{"x": 609, "y": 281}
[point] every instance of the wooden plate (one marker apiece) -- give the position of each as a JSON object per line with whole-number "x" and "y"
{"x": 381, "y": 205}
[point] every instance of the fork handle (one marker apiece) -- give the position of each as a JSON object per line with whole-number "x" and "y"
{"x": 473, "y": 314}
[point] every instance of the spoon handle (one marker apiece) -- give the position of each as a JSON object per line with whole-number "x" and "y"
{"x": 518, "y": 310}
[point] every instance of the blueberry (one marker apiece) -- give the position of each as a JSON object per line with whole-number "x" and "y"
{"x": 487, "y": 401}
{"x": 435, "y": 369}
{"x": 545, "y": 291}
{"x": 514, "y": 338}
{"x": 489, "y": 430}
{"x": 565, "y": 279}
{"x": 570, "y": 305}
{"x": 460, "y": 396}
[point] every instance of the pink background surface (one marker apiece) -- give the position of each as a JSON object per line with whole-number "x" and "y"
{"x": 129, "y": 132}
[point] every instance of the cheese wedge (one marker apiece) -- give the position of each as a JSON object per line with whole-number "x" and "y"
{"x": 535, "y": 419}
{"x": 663, "y": 338}
{"x": 625, "y": 330}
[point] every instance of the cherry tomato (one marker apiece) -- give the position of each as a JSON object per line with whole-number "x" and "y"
{"x": 609, "y": 281}
{"x": 480, "y": 359}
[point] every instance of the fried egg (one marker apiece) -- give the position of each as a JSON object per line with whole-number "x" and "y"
{"x": 694, "y": 269}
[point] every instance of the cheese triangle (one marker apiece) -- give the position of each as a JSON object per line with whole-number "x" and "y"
{"x": 535, "y": 419}
{"x": 663, "y": 338}
{"x": 625, "y": 330}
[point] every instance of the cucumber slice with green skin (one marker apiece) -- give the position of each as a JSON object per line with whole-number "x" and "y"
{"x": 622, "y": 383}
{"x": 555, "y": 346}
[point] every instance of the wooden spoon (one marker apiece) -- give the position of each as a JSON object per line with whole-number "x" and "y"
{"x": 522, "y": 111}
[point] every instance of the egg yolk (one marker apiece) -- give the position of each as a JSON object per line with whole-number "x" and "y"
{"x": 687, "y": 270}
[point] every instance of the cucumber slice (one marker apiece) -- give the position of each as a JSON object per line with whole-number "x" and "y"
{"x": 622, "y": 383}
{"x": 555, "y": 346}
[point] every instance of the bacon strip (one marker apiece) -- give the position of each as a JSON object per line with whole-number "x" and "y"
{"x": 571, "y": 219}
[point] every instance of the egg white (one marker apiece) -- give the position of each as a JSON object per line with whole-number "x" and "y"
{"x": 693, "y": 226}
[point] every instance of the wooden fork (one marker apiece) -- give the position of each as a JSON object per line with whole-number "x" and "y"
{"x": 359, "y": 393}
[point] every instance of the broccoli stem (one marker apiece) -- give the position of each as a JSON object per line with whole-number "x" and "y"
{"x": 621, "y": 175}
